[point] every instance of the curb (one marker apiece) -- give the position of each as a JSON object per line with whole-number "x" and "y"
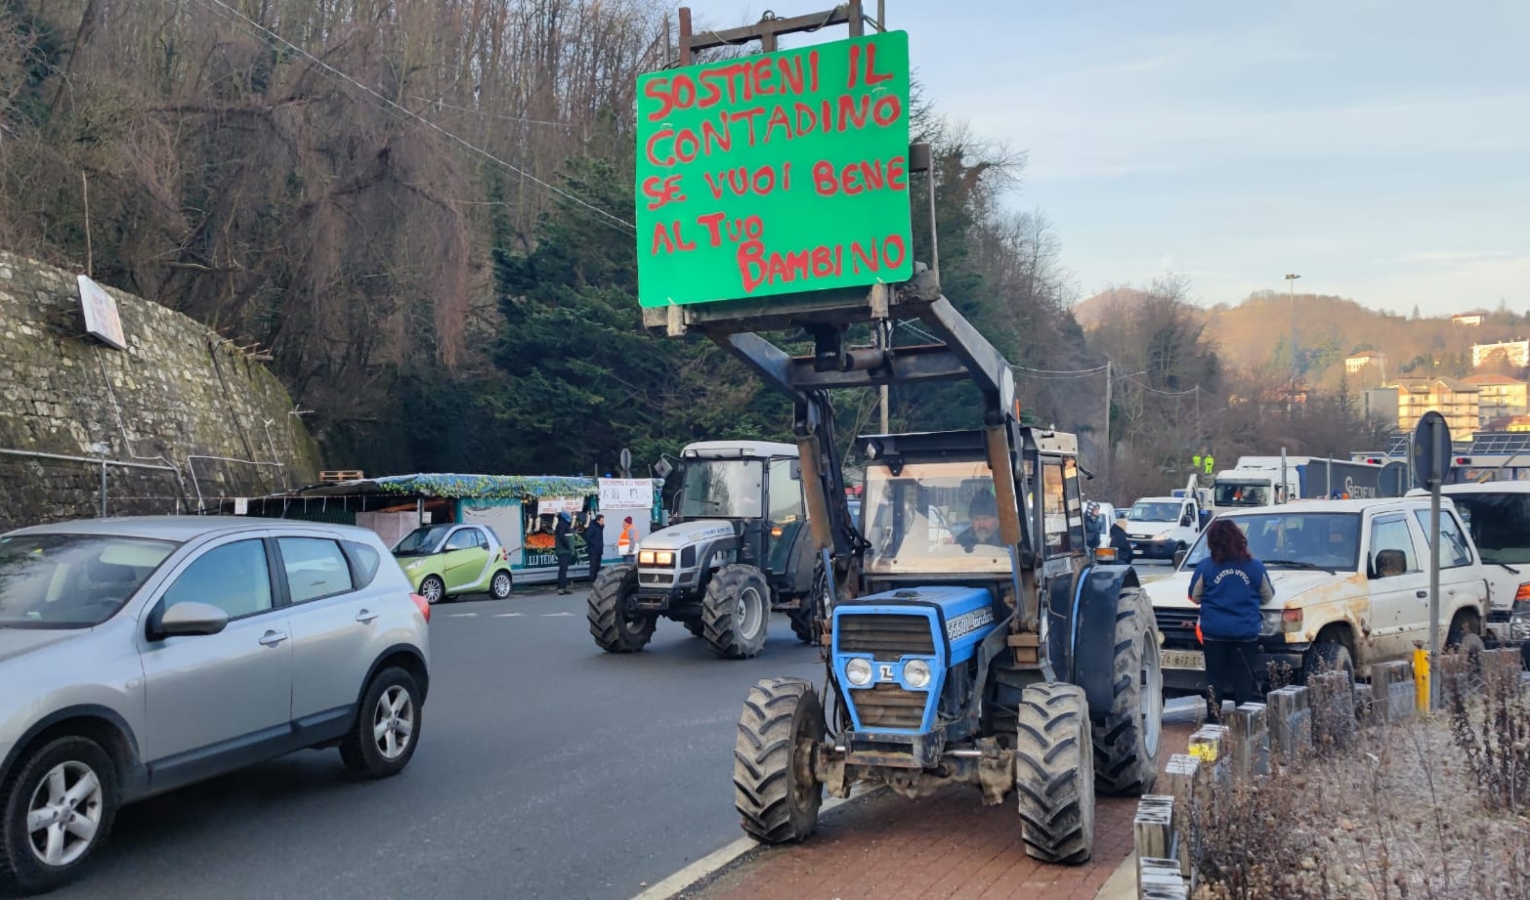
{"x": 714, "y": 862}
{"x": 1122, "y": 883}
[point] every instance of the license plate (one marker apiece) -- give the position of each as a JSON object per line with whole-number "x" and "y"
{"x": 1183, "y": 659}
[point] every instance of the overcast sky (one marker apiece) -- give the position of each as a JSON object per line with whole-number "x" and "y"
{"x": 1379, "y": 148}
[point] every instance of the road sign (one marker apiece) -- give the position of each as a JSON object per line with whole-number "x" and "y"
{"x": 1431, "y": 449}
{"x": 774, "y": 174}
{"x": 626, "y": 461}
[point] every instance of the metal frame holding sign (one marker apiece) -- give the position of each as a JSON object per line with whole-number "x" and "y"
{"x": 775, "y": 174}
{"x": 1431, "y": 460}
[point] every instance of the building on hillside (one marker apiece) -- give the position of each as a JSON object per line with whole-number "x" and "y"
{"x": 1475, "y": 317}
{"x": 1499, "y": 396}
{"x": 1356, "y": 363}
{"x": 1450, "y": 397}
{"x": 1516, "y": 352}
{"x": 1379, "y": 404}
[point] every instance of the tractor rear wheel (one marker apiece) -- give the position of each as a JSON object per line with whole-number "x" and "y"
{"x": 735, "y": 611}
{"x": 774, "y": 790}
{"x": 1054, "y": 774}
{"x": 811, "y": 609}
{"x": 1126, "y": 736}
{"x": 616, "y": 626}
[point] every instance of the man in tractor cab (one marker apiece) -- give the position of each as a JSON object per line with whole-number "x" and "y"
{"x": 983, "y": 523}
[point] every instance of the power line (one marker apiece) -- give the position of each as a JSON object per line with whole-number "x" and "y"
{"x": 1154, "y": 390}
{"x": 1063, "y": 372}
{"x": 490, "y": 115}
{"x": 615, "y": 220}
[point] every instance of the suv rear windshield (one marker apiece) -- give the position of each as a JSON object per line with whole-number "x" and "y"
{"x": 72, "y": 580}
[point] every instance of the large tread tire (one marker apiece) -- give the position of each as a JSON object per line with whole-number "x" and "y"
{"x": 811, "y": 609}
{"x": 727, "y": 631}
{"x": 615, "y": 629}
{"x": 1127, "y": 736}
{"x": 695, "y": 627}
{"x": 20, "y": 869}
{"x": 1054, "y": 774}
{"x": 774, "y": 790}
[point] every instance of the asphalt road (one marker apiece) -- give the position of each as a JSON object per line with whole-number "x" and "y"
{"x": 547, "y": 769}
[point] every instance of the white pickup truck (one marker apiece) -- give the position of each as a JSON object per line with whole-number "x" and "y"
{"x": 1351, "y": 588}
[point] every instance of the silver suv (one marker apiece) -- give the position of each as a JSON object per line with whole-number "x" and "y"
{"x": 141, "y": 654}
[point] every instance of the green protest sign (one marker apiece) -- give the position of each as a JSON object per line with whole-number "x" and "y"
{"x": 774, "y": 174}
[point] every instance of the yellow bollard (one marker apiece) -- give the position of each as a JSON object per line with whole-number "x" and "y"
{"x": 1421, "y": 678}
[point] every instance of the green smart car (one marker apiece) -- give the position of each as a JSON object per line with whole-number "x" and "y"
{"x": 444, "y": 561}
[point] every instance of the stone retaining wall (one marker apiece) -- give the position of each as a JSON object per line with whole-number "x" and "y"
{"x": 182, "y": 418}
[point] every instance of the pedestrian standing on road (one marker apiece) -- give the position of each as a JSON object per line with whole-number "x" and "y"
{"x": 1093, "y": 526}
{"x": 627, "y": 542}
{"x": 1230, "y": 586}
{"x": 1121, "y": 542}
{"x": 563, "y": 544}
{"x": 595, "y": 539}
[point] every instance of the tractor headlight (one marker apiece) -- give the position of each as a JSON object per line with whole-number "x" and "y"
{"x": 858, "y": 671}
{"x": 917, "y": 673}
{"x": 664, "y": 558}
{"x": 645, "y": 557}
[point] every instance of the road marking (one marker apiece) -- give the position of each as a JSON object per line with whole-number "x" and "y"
{"x": 461, "y": 615}
{"x": 507, "y": 615}
{"x": 556, "y": 615}
{"x": 713, "y": 862}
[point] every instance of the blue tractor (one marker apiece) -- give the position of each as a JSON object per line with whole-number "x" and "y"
{"x": 968, "y": 635}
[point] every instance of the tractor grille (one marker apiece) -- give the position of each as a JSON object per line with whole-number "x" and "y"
{"x": 889, "y": 706}
{"x": 885, "y": 637}
{"x": 1178, "y": 628}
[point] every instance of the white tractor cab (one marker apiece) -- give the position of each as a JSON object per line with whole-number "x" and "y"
{"x": 1351, "y": 581}
{"x": 736, "y": 549}
{"x": 1497, "y": 513}
{"x": 1160, "y": 527}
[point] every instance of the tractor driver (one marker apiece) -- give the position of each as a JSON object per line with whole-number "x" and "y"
{"x": 982, "y": 523}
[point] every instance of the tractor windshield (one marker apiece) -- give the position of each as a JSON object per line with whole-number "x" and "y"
{"x": 723, "y": 489}
{"x": 935, "y": 518}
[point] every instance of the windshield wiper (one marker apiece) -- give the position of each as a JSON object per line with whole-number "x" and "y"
{"x": 1509, "y": 567}
{"x": 1296, "y": 564}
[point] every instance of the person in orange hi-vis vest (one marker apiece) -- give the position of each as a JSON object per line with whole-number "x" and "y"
{"x": 626, "y": 544}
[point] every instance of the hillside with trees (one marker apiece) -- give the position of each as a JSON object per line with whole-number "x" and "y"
{"x": 421, "y": 210}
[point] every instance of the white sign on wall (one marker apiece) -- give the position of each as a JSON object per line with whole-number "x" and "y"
{"x": 626, "y": 493}
{"x": 554, "y": 505}
{"x": 101, "y": 319}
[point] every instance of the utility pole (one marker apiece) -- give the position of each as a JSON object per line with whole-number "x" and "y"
{"x": 1291, "y": 290}
{"x": 1109, "y": 454}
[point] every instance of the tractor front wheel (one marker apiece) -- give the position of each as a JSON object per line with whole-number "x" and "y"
{"x": 735, "y": 612}
{"x": 811, "y": 610}
{"x": 774, "y": 790}
{"x": 616, "y": 626}
{"x": 1054, "y": 774}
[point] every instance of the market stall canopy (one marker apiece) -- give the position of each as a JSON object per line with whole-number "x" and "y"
{"x": 449, "y": 485}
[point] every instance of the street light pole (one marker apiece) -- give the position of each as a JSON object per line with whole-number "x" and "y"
{"x": 1291, "y": 290}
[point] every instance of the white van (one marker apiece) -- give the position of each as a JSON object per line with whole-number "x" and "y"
{"x": 1497, "y": 513}
{"x": 1159, "y": 527}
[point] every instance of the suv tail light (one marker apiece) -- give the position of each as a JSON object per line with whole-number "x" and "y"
{"x": 424, "y": 606}
{"x": 1523, "y": 594}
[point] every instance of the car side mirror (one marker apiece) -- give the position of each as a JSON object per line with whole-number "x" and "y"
{"x": 187, "y": 618}
{"x": 1179, "y": 558}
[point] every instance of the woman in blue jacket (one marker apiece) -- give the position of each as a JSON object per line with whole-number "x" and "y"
{"x": 1229, "y": 586}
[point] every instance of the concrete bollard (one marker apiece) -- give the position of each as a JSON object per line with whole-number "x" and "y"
{"x": 1184, "y": 784}
{"x": 1290, "y": 721}
{"x": 1153, "y": 828}
{"x": 1251, "y": 739}
{"x": 1159, "y": 879}
{"x": 1392, "y": 691}
{"x": 1331, "y": 697}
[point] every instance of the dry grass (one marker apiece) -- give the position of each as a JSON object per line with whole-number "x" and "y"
{"x": 1424, "y": 809}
